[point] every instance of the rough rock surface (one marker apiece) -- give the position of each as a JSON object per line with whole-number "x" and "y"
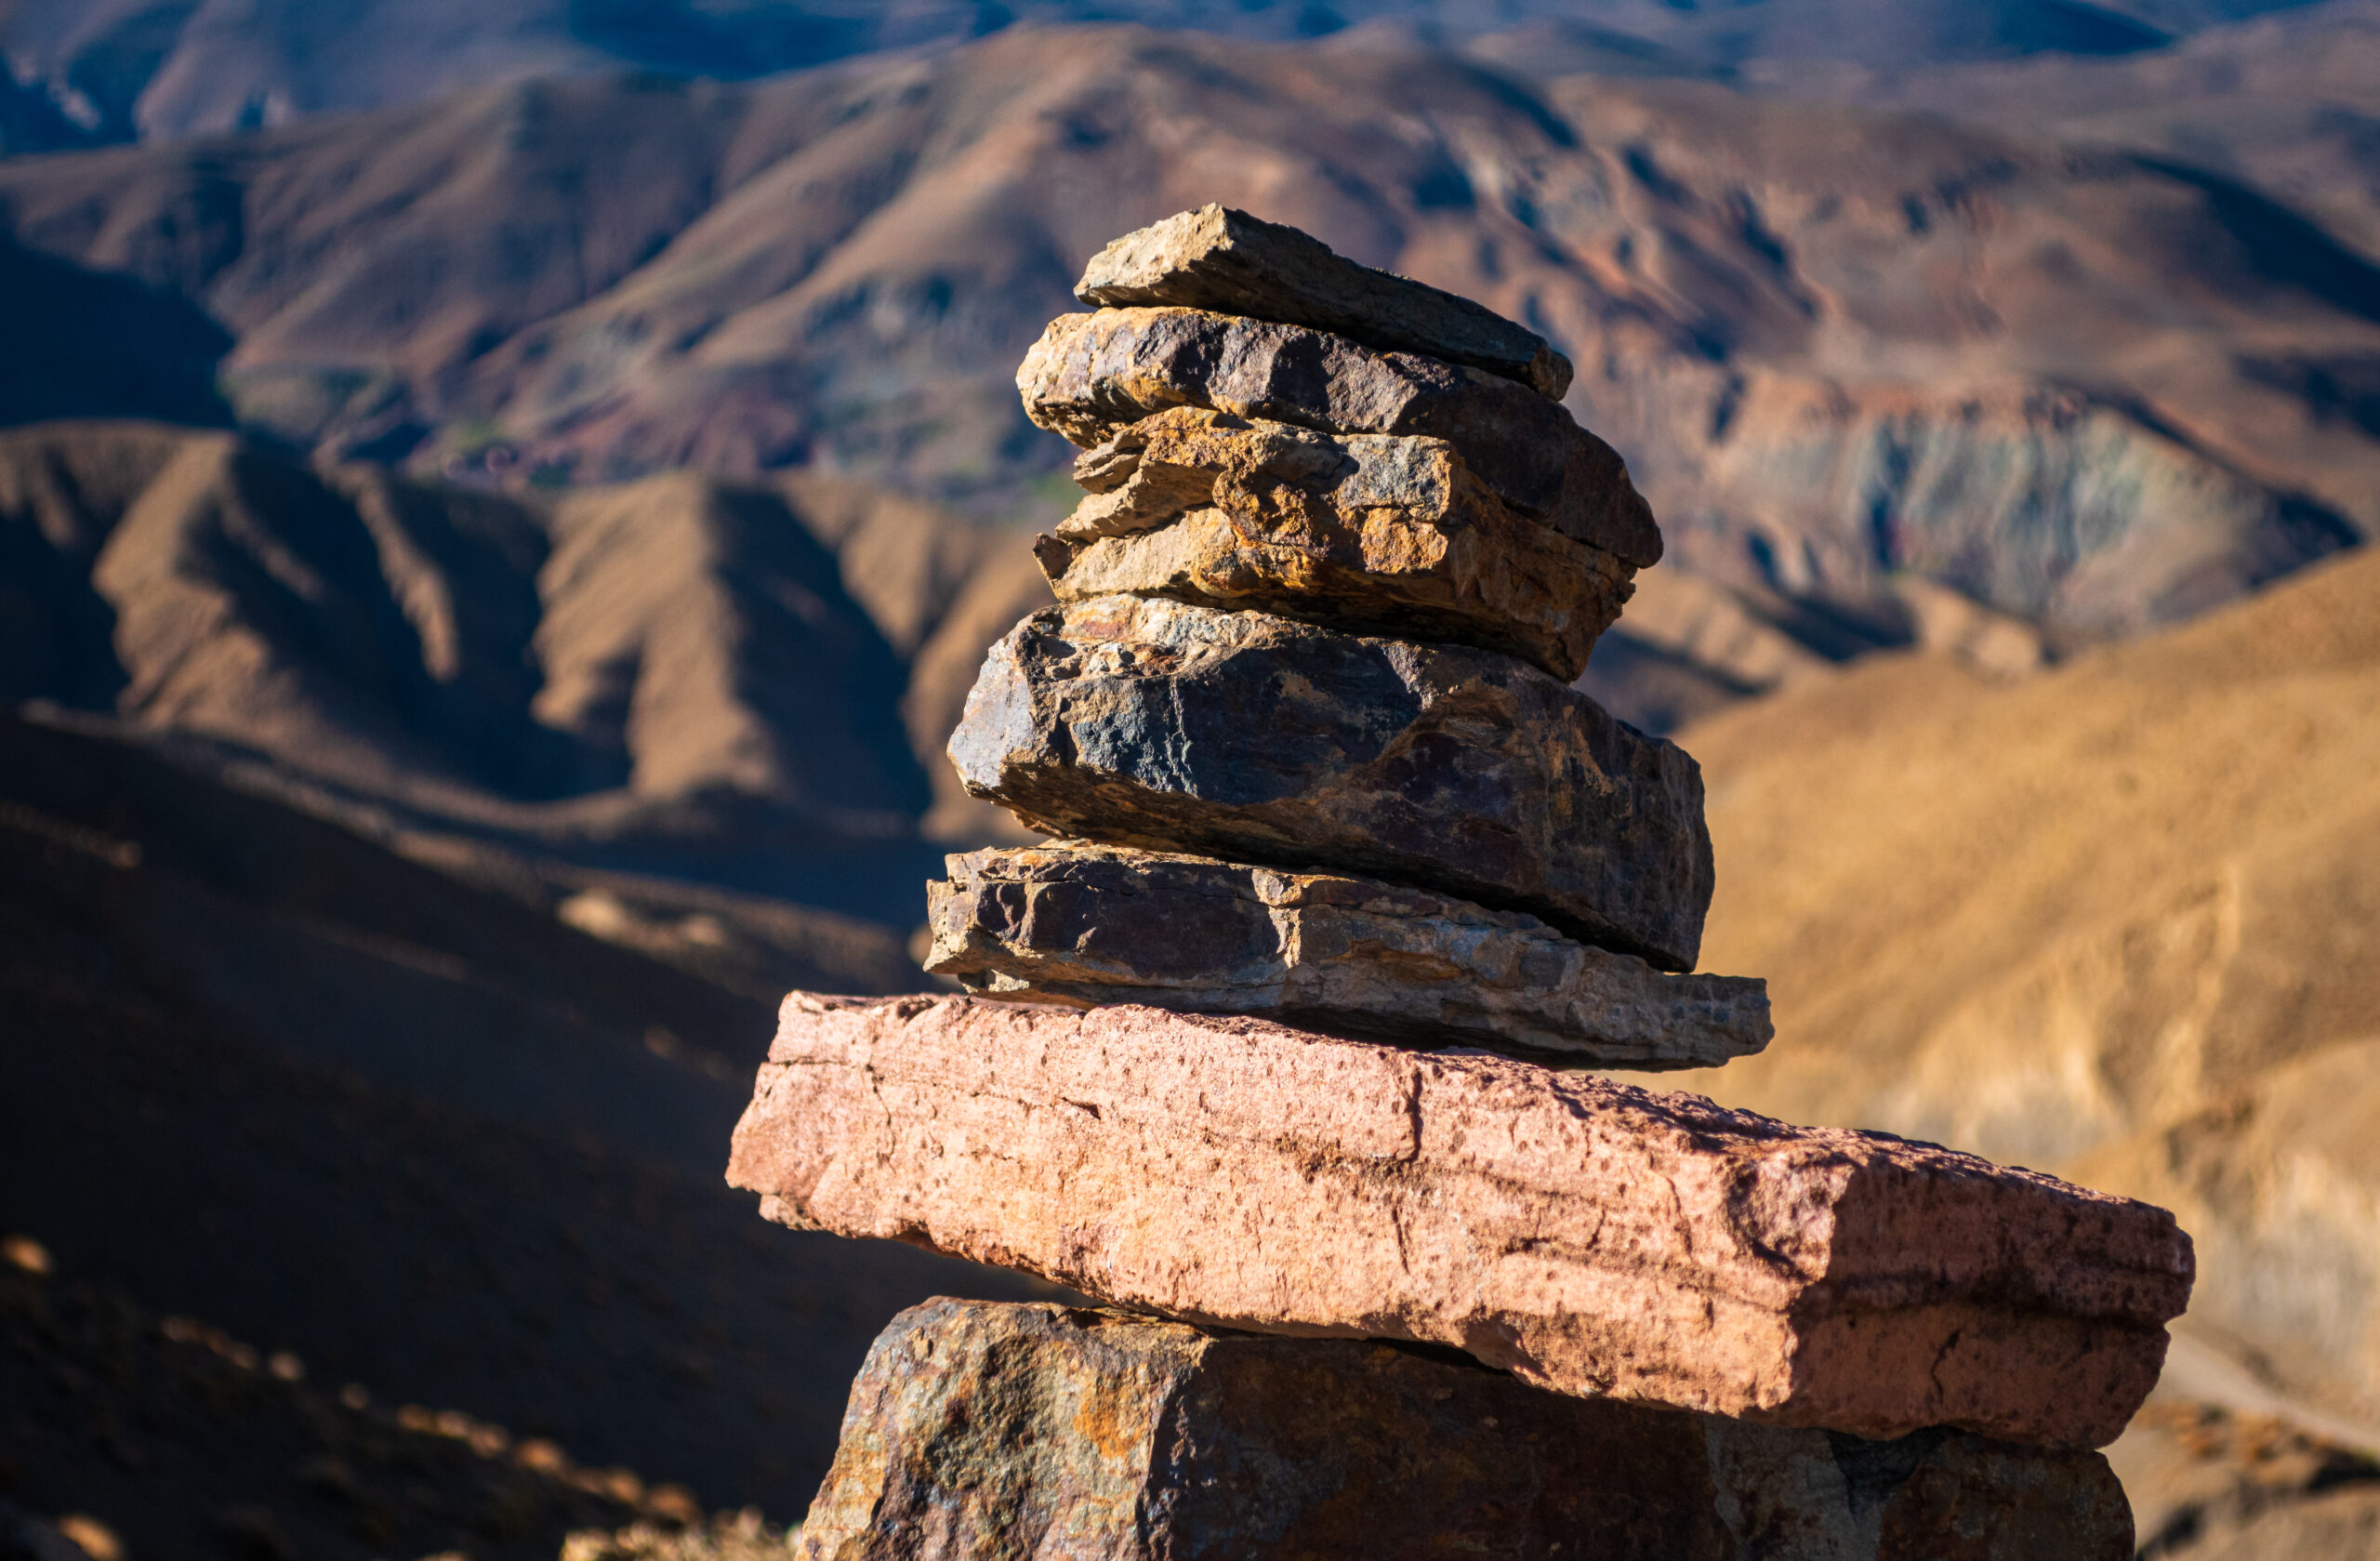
{"x": 1083, "y": 924}
{"x": 1225, "y": 260}
{"x": 1168, "y": 727}
{"x": 978, "y": 1429}
{"x": 1382, "y": 534}
{"x": 1590, "y": 1236}
{"x": 1091, "y": 373}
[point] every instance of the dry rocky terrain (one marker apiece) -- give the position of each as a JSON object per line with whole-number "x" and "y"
{"x": 2115, "y": 921}
{"x": 455, "y": 722}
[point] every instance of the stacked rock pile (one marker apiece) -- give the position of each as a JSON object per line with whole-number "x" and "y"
{"x": 1268, "y": 1045}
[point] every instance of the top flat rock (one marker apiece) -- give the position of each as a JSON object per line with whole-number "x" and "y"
{"x": 1225, "y": 260}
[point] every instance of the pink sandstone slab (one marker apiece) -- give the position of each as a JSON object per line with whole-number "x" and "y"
{"x": 1588, "y": 1237}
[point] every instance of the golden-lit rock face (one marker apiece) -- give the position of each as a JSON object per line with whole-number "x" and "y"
{"x": 1379, "y": 533}
{"x": 1089, "y": 375}
{"x": 2118, "y": 919}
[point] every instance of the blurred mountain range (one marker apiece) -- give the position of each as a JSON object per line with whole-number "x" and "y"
{"x": 1880, "y": 372}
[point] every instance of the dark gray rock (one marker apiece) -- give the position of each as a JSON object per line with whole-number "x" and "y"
{"x": 1090, "y": 374}
{"x": 1154, "y": 724}
{"x": 1233, "y": 263}
{"x": 1082, "y": 924}
{"x": 979, "y": 1429}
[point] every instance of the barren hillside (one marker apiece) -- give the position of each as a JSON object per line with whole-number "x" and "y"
{"x": 2116, "y": 920}
{"x": 745, "y": 682}
{"x": 118, "y": 69}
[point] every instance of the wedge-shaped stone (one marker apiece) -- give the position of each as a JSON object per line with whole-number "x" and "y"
{"x": 1154, "y": 724}
{"x": 1083, "y": 925}
{"x": 1225, "y": 260}
{"x": 1590, "y": 1236}
{"x": 980, "y": 1428}
{"x": 1090, "y": 374}
{"x": 1382, "y": 534}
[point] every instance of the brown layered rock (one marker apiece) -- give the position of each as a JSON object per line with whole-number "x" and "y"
{"x": 1089, "y": 375}
{"x": 1588, "y": 1237}
{"x": 979, "y": 1429}
{"x": 1227, "y": 261}
{"x": 1380, "y": 534}
{"x": 1174, "y": 727}
{"x": 1084, "y": 924}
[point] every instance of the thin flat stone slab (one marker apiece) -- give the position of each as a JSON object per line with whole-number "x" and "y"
{"x": 1090, "y": 374}
{"x": 981, "y": 1429}
{"x": 1082, "y": 924}
{"x": 1379, "y": 533}
{"x": 1171, "y": 727}
{"x": 1590, "y": 1236}
{"x": 1225, "y": 260}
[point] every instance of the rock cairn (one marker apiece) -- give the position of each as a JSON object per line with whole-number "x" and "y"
{"x": 1266, "y": 1045}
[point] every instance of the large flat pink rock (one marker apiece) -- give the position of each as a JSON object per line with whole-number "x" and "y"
{"x": 1590, "y": 1236}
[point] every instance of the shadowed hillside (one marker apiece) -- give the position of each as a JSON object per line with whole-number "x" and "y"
{"x": 259, "y": 1071}
{"x": 81, "y": 343}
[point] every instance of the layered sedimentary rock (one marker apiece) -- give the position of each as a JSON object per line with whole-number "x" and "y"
{"x": 1225, "y": 260}
{"x": 981, "y": 1429}
{"x": 1386, "y": 533}
{"x": 1169, "y": 726}
{"x": 1084, "y": 924}
{"x": 1090, "y": 374}
{"x": 1588, "y": 1237}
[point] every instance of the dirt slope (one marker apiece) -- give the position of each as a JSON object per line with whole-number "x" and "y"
{"x": 168, "y": 1437}
{"x": 257, "y": 1070}
{"x": 2121, "y": 921}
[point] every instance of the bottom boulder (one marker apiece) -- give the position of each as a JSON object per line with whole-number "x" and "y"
{"x": 983, "y": 1430}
